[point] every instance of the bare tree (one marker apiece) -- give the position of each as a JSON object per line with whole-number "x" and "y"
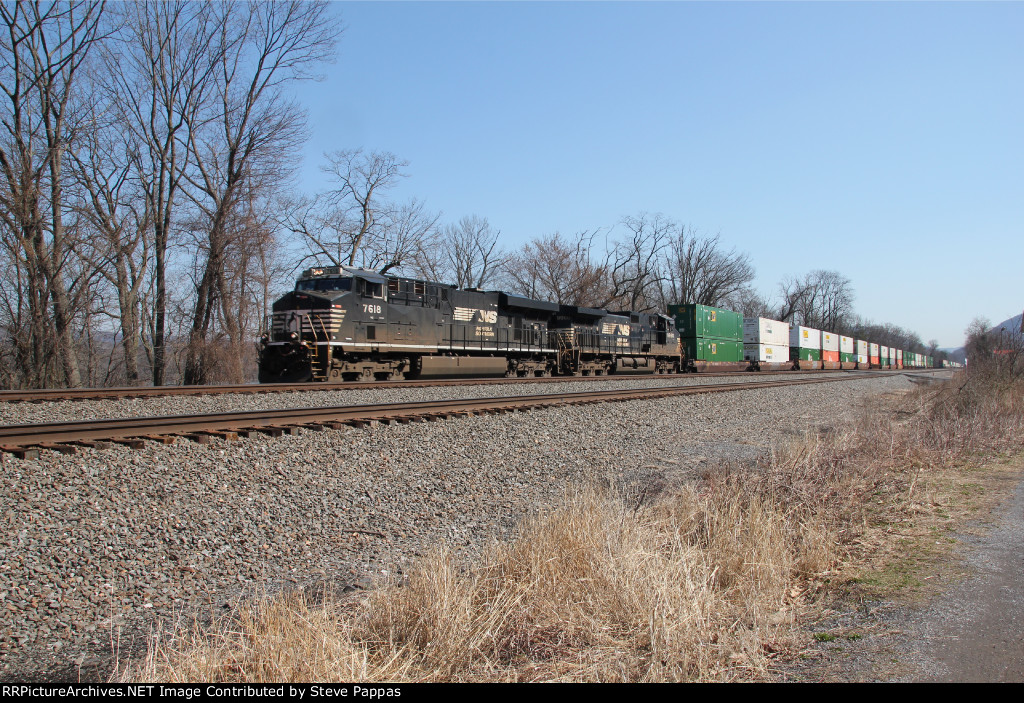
{"x": 42, "y": 49}
{"x": 749, "y": 302}
{"x": 792, "y": 291}
{"x": 405, "y": 229}
{"x": 701, "y": 270}
{"x": 361, "y": 214}
{"x": 355, "y": 224}
{"x": 241, "y": 143}
{"x": 466, "y": 254}
{"x": 634, "y": 261}
{"x": 980, "y": 345}
{"x": 561, "y": 270}
{"x": 160, "y": 74}
{"x": 117, "y": 216}
{"x": 822, "y": 299}
{"x": 315, "y": 223}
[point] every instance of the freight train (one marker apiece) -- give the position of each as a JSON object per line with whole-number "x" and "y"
{"x": 351, "y": 324}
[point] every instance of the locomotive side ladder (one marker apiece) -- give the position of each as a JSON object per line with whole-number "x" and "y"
{"x": 317, "y": 365}
{"x": 568, "y": 354}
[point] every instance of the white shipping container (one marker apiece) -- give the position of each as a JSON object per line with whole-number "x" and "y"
{"x": 846, "y": 345}
{"x": 830, "y": 341}
{"x": 873, "y": 349}
{"x": 761, "y": 330}
{"x": 804, "y": 337}
{"x": 862, "y": 347}
{"x": 766, "y": 352}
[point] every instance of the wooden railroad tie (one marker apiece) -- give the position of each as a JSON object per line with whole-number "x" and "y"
{"x": 21, "y": 452}
{"x": 161, "y": 438}
{"x": 94, "y": 444}
{"x": 133, "y": 442}
{"x": 61, "y": 448}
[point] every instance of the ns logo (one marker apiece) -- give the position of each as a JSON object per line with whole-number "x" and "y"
{"x": 489, "y": 317}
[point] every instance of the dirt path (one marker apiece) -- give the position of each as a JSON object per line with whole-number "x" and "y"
{"x": 975, "y": 632}
{"x": 971, "y": 629}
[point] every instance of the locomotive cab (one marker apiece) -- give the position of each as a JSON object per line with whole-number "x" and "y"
{"x": 330, "y": 308}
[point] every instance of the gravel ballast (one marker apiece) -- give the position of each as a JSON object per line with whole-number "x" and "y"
{"x": 104, "y": 545}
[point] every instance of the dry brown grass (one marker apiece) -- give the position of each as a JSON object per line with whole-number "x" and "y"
{"x": 706, "y": 583}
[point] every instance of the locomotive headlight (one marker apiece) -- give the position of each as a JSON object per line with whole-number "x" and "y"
{"x": 294, "y": 335}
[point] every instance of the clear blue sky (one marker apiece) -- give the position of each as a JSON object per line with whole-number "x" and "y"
{"x": 883, "y": 140}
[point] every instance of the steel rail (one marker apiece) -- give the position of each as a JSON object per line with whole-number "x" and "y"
{"x": 18, "y": 439}
{"x": 115, "y": 393}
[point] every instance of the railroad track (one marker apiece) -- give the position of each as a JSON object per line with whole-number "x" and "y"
{"x": 58, "y": 394}
{"x": 25, "y": 441}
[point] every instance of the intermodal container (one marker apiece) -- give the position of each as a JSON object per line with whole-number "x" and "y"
{"x": 765, "y": 352}
{"x": 694, "y": 320}
{"x": 873, "y": 354}
{"x": 761, "y": 330}
{"x": 847, "y": 349}
{"x": 705, "y": 349}
{"x": 862, "y": 351}
{"x": 804, "y": 337}
{"x": 829, "y": 346}
{"x": 804, "y": 354}
{"x": 804, "y": 343}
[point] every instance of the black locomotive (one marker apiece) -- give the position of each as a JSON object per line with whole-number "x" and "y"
{"x": 348, "y": 324}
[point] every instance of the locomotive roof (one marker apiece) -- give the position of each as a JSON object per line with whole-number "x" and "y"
{"x": 584, "y": 312}
{"x": 518, "y": 301}
{"x": 319, "y": 271}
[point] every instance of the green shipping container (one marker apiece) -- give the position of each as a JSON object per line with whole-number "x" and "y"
{"x": 694, "y": 320}
{"x": 804, "y": 354}
{"x": 707, "y": 349}
{"x": 843, "y": 356}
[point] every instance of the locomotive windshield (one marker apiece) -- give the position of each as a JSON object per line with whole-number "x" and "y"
{"x": 325, "y": 284}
